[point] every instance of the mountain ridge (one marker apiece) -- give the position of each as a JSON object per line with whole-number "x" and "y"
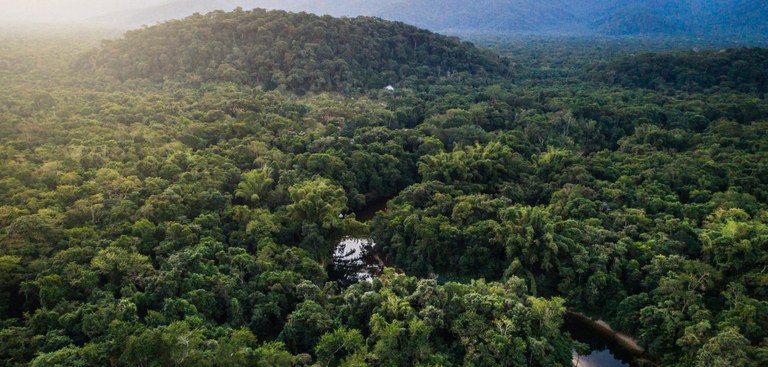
{"x": 607, "y": 17}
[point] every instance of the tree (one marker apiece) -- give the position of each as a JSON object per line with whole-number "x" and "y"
{"x": 727, "y": 349}
{"x": 255, "y": 185}
{"x": 273, "y": 354}
{"x": 122, "y": 267}
{"x": 535, "y": 240}
{"x": 235, "y": 349}
{"x": 317, "y": 201}
{"x": 305, "y": 326}
{"x": 70, "y": 356}
{"x": 177, "y": 344}
{"x": 317, "y": 210}
{"x": 340, "y": 347}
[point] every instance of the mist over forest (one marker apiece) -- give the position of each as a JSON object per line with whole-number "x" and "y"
{"x": 735, "y": 19}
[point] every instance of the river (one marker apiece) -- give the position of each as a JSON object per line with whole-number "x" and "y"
{"x": 355, "y": 260}
{"x": 603, "y": 350}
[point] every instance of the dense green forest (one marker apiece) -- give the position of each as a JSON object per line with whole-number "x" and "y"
{"x": 185, "y": 213}
{"x": 298, "y": 52}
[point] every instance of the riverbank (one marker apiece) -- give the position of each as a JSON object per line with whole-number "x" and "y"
{"x": 623, "y": 348}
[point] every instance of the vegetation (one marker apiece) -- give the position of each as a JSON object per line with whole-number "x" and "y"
{"x": 742, "y": 70}
{"x": 182, "y": 217}
{"x": 296, "y": 52}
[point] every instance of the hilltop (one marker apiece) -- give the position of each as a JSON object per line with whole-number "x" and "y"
{"x": 299, "y": 52}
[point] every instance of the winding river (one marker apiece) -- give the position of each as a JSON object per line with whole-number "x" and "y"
{"x": 355, "y": 259}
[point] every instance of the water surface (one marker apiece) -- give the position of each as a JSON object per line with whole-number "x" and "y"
{"x": 354, "y": 261}
{"x": 597, "y": 358}
{"x": 603, "y": 351}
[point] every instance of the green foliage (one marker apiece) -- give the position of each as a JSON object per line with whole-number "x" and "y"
{"x": 305, "y": 326}
{"x": 474, "y": 169}
{"x": 728, "y": 348}
{"x": 64, "y": 357}
{"x": 193, "y": 222}
{"x": 742, "y": 70}
{"x": 255, "y": 185}
{"x": 297, "y": 52}
{"x": 341, "y": 348}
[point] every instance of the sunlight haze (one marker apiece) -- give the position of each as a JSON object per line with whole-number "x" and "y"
{"x": 46, "y": 11}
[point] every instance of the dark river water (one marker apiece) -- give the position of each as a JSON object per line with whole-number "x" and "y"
{"x": 597, "y": 358}
{"x": 603, "y": 352}
{"x": 354, "y": 261}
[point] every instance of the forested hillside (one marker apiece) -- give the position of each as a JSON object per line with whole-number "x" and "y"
{"x": 183, "y": 210}
{"x": 743, "y": 70}
{"x": 297, "y": 52}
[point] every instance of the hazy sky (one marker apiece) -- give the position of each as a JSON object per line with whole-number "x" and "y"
{"x": 15, "y": 11}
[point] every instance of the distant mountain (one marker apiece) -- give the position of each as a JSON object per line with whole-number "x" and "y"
{"x": 605, "y": 17}
{"x": 521, "y": 16}
{"x": 642, "y": 17}
{"x": 684, "y": 17}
